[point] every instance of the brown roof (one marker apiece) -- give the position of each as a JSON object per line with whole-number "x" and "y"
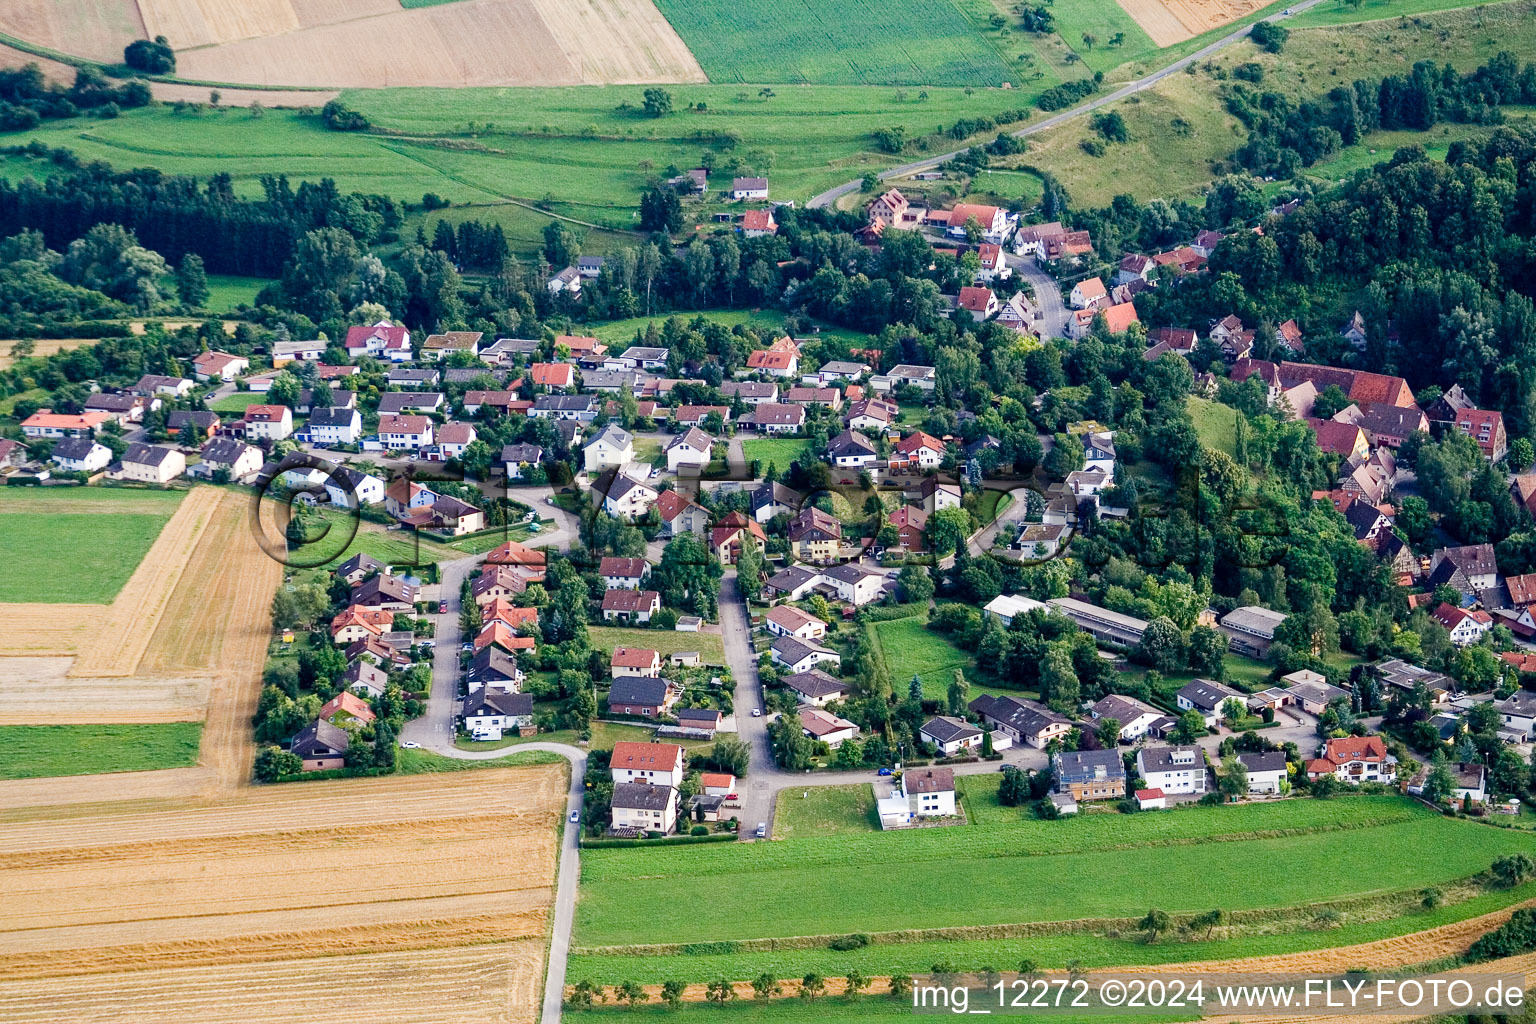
{"x": 632, "y": 568}
{"x": 635, "y": 657}
{"x": 629, "y": 601}
{"x": 929, "y": 780}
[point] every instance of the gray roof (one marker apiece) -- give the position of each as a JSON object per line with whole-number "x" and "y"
{"x": 492, "y": 663}
{"x": 1207, "y": 694}
{"x": 849, "y": 573}
{"x": 1521, "y": 702}
{"x": 1022, "y": 715}
{"x": 638, "y": 690}
{"x": 392, "y": 402}
{"x": 319, "y": 737}
{"x": 637, "y": 796}
{"x": 330, "y": 416}
{"x": 792, "y": 650}
{"x": 73, "y": 448}
{"x": 748, "y": 388}
{"x": 815, "y": 684}
{"x": 360, "y": 561}
{"x": 147, "y": 454}
{"x": 179, "y": 418}
{"x": 1073, "y": 765}
{"x": 1123, "y": 709}
{"x": 493, "y": 700}
{"x": 947, "y": 730}
{"x": 1161, "y": 759}
{"x": 850, "y": 442}
{"x": 410, "y": 374}
{"x": 521, "y": 453}
{"x": 1404, "y": 675}
{"x": 1263, "y": 761}
{"x": 1253, "y": 619}
{"x": 791, "y": 578}
{"x": 224, "y": 450}
{"x": 565, "y": 403}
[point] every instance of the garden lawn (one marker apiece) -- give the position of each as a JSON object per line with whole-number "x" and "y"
{"x": 825, "y": 810}
{"x": 668, "y": 641}
{"x": 1030, "y": 871}
{"x": 237, "y": 401}
{"x": 39, "y": 751}
{"x": 102, "y": 550}
{"x": 604, "y": 736}
{"x": 910, "y": 648}
{"x": 774, "y": 451}
{"x": 424, "y": 762}
{"x": 1215, "y": 424}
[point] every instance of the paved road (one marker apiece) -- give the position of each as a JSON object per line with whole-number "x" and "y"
{"x": 928, "y": 163}
{"x": 1053, "y": 324}
{"x": 981, "y": 541}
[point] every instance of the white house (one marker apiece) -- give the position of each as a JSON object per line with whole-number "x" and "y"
{"x": 226, "y": 454}
{"x": 655, "y": 764}
{"x": 81, "y": 455}
{"x": 404, "y": 432}
{"x": 219, "y": 366}
{"x": 273, "y": 422}
{"x": 1088, "y": 294}
{"x": 993, "y": 220}
{"x": 851, "y": 450}
{"x": 334, "y": 426}
{"x": 1172, "y": 769}
{"x": 1207, "y": 697}
{"x": 491, "y": 711}
{"x": 1135, "y": 717}
{"x": 613, "y": 448}
{"x": 787, "y": 620}
{"x": 801, "y": 655}
{"x": 152, "y": 463}
{"x": 690, "y": 448}
{"x": 853, "y": 584}
{"x": 348, "y": 488}
{"x": 644, "y": 808}
{"x": 455, "y": 436}
{"x": 1266, "y": 771}
{"x": 826, "y": 727}
{"x": 627, "y": 497}
{"x": 921, "y": 793}
{"x": 566, "y": 282}
{"x": 951, "y": 735}
{"x": 749, "y": 188}
{"x": 623, "y": 573}
{"x": 1467, "y": 627}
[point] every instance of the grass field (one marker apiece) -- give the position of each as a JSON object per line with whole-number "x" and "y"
{"x": 1340, "y": 12}
{"x": 424, "y": 762}
{"x": 775, "y": 451}
{"x": 237, "y": 402}
{"x": 225, "y": 291}
{"x": 831, "y": 43}
{"x": 604, "y": 736}
{"x": 41, "y": 751}
{"x": 103, "y": 550}
{"x": 1216, "y": 424}
{"x": 1031, "y": 871}
{"x": 668, "y": 641}
{"x": 825, "y": 810}
{"x": 909, "y": 647}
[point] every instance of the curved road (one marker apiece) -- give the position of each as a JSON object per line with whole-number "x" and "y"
{"x": 928, "y": 163}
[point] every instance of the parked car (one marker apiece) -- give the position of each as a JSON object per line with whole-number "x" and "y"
{"x": 411, "y": 746}
{"x": 757, "y": 712}
{"x": 762, "y": 830}
{"x": 885, "y": 771}
{"x": 575, "y": 816}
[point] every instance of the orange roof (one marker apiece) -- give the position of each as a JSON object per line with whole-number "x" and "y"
{"x": 758, "y": 220}
{"x": 1119, "y": 318}
{"x": 770, "y": 359}
{"x": 1355, "y": 748}
{"x": 350, "y": 703}
{"x": 580, "y": 343}
{"x": 513, "y": 553}
{"x": 716, "y": 780}
{"x": 501, "y": 610}
{"x": 65, "y": 421}
{"x": 499, "y": 633}
{"x": 912, "y": 442}
{"x": 265, "y": 413}
{"x": 671, "y": 504}
{"x": 1091, "y": 289}
{"x": 965, "y": 211}
{"x": 553, "y": 375}
{"x": 634, "y": 657}
{"x": 645, "y": 756}
{"x": 784, "y": 343}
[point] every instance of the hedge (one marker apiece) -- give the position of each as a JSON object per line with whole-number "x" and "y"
{"x": 616, "y": 844}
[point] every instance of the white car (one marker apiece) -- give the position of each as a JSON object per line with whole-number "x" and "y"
{"x": 411, "y": 746}
{"x": 757, "y": 712}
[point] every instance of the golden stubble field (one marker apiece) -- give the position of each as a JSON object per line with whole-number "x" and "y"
{"x": 402, "y": 898}
{"x": 1172, "y": 21}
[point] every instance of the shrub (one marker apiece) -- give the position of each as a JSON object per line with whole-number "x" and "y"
{"x": 152, "y": 57}
{"x": 845, "y": 943}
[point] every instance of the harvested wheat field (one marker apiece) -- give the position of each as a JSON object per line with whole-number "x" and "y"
{"x": 98, "y": 29}
{"x": 183, "y": 909}
{"x": 470, "y": 42}
{"x": 44, "y": 629}
{"x": 1172, "y": 21}
{"x": 41, "y": 346}
{"x": 118, "y": 643}
{"x": 30, "y": 693}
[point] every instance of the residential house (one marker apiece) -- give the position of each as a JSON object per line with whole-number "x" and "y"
{"x": 402, "y": 432}
{"x": 1354, "y": 759}
{"x": 801, "y": 655}
{"x": 1117, "y": 319}
{"x": 386, "y": 592}
{"x": 358, "y": 568}
{"x": 920, "y": 793}
{"x": 774, "y": 363}
{"x": 910, "y": 521}
{"x": 81, "y": 455}
{"x": 490, "y": 712}
{"x": 1518, "y": 713}
{"x": 815, "y": 536}
{"x": 641, "y": 808}
{"x": 1445, "y": 409}
{"x": 623, "y": 573}
{"x": 1206, "y": 242}
{"x": 1089, "y": 774}
{"x": 580, "y": 408}
{"x": 752, "y": 392}
{"x": 772, "y": 499}
{"x": 1267, "y": 771}
{"x": 225, "y": 455}
{"x": 1031, "y": 239}
{"x": 1088, "y": 294}
{"x": 749, "y": 188}
{"x": 950, "y": 735}
{"x": 623, "y": 495}
{"x": 516, "y": 459}
{"x": 1174, "y": 770}
{"x": 1470, "y": 568}
{"x": 680, "y": 514}
{"x": 395, "y": 402}
{"x": 1466, "y": 627}
{"x": 905, "y": 375}
{"x": 1134, "y": 267}
{"x": 451, "y": 440}
{"x": 1311, "y": 692}
{"x": 1486, "y": 427}
{"x": 320, "y": 746}
{"x": 203, "y": 424}
{"x": 994, "y": 267}
{"x": 328, "y": 426}
{"x": 1209, "y": 698}
{"x": 854, "y": 584}
{"x": 937, "y": 494}
{"x": 649, "y": 696}
{"x": 979, "y": 302}
{"x": 1135, "y": 716}
{"x": 692, "y": 448}
{"x": 412, "y": 379}
{"x": 757, "y": 223}
{"x": 564, "y": 282}
{"x": 220, "y": 366}
{"x": 815, "y": 687}
{"x": 355, "y": 623}
{"x": 651, "y": 764}
{"x": 1406, "y": 677}
{"x": 379, "y": 340}
{"x": 1354, "y": 331}
{"x": 774, "y": 418}
{"x": 730, "y": 536}
{"x": 919, "y": 450}
{"x": 872, "y": 414}
{"x": 270, "y": 422}
{"x": 152, "y": 463}
{"x": 630, "y": 605}
{"x": 441, "y": 346}
{"x": 346, "y": 707}
{"x": 47, "y": 423}
{"x": 993, "y": 221}
{"x": 1021, "y": 719}
{"x": 635, "y": 661}
{"x": 155, "y": 384}
{"x": 787, "y": 620}
{"x": 852, "y": 450}
{"x": 365, "y": 677}
{"x": 830, "y": 729}
{"x": 124, "y": 408}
